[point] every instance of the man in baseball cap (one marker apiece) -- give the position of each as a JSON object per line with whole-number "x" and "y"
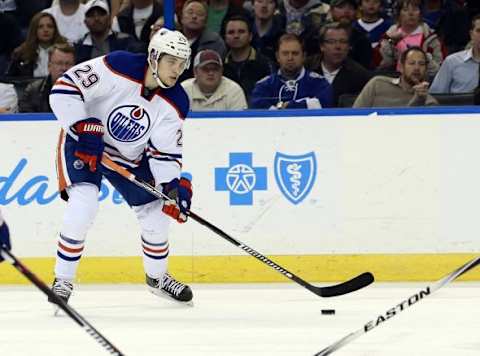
{"x": 102, "y": 4}
{"x": 100, "y": 38}
{"x": 209, "y": 89}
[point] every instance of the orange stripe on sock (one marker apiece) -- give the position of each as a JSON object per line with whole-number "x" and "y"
{"x": 154, "y": 250}
{"x": 68, "y": 249}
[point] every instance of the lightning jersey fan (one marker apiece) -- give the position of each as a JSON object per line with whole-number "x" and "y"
{"x": 139, "y": 124}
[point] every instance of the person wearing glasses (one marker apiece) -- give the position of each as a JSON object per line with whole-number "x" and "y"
{"x": 345, "y": 75}
{"x": 61, "y": 57}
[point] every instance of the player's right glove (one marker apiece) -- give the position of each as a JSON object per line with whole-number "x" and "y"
{"x": 180, "y": 193}
{"x": 90, "y": 141}
{"x": 4, "y": 237}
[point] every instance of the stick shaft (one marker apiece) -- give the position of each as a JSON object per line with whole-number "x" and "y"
{"x": 330, "y": 291}
{"x": 72, "y": 313}
{"x": 400, "y": 307}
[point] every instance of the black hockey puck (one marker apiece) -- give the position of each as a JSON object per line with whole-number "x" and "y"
{"x": 328, "y": 311}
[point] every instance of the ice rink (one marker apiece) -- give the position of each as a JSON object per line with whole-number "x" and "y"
{"x": 228, "y": 320}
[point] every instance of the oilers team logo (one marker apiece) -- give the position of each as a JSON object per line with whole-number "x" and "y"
{"x": 295, "y": 175}
{"x": 128, "y": 123}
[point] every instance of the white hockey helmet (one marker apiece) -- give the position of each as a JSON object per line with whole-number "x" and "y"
{"x": 166, "y": 41}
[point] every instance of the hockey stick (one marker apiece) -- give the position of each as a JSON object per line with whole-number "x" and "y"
{"x": 349, "y": 286}
{"x": 400, "y": 307}
{"x": 72, "y": 313}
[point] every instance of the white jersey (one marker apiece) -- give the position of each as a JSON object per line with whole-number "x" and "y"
{"x": 109, "y": 88}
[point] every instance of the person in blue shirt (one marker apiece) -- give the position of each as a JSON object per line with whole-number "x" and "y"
{"x": 292, "y": 86}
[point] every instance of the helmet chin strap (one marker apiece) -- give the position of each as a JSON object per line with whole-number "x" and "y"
{"x": 154, "y": 68}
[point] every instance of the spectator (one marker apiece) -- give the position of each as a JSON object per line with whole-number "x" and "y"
{"x": 449, "y": 20}
{"x": 35, "y": 96}
{"x": 268, "y": 26}
{"x": 344, "y": 11}
{"x": 137, "y": 18}
{"x": 242, "y": 59}
{"x": 302, "y": 15}
{"x": 410, "y": 31}
{"x": 344, "y": 74}
{"x": 194, "y": 20}
{"x": 459, "y": 72}
{"x": 210, "y": 90}
{"x": 30, "y": 59}
{"x": 411, "y": 89}
{"x": 292, "y": 86}
{"x": 70, "y": 16}
{"x": 371, "y": 22}
{"x": 219, "y": 11}
{"x": 100, "y": 39}
{"x": 8, "y": 24}
{"x": 160, "y": 23}
{"x": 8, "y": 99}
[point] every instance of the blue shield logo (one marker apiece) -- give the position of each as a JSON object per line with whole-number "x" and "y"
{"x": 295, "y": 175}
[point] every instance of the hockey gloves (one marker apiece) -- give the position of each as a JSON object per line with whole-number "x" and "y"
{"x": 180, "y": 193}
{"x": 4, "y": 237}
{"x": 90, "y": 142}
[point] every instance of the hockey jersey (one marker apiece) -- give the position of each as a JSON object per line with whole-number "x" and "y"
{"x": 309, "y": 90}
{"x": 110, "y": 88}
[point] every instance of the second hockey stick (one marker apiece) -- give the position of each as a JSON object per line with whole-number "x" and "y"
{"x": 400, "y": 307}
{"x": 102, "y": 340}
{"x": 349, "y": 286}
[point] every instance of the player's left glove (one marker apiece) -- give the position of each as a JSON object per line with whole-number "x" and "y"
{"x": 90, "y": 142}
{"x": 4, "y": 237}
{"x": 180, "y": 193}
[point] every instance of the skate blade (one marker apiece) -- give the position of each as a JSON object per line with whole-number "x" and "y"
{"x": 161, "y": 294}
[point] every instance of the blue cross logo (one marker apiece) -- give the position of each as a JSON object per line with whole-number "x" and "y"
{"x": 240, "y": 178}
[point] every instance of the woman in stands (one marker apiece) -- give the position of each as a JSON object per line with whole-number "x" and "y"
{"x": 30, "y": 59}
{"x": 409, "y": 31}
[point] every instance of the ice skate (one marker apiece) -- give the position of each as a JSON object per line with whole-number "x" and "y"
{"x": 63, "y": 289}
{"x": 170, "y": 288}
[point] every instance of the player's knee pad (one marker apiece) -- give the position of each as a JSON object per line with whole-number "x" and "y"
{"x": 81, "y": 210}
{"x": 153, "y": 222}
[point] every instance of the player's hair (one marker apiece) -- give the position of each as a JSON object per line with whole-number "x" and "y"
{"x": 28, "y": 50}
{"x": 403, "y": 56}
{"x": 332, "y": 26}
{"x": 62, "y": 47}
{"x": 287, "y": 37}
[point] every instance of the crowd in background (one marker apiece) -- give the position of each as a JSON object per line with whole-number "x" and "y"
{"x": 260, "y": 54}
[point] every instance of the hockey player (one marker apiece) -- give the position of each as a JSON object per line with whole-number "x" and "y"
{"x": 131, "y": 107}
{"x": 4, "y": 236}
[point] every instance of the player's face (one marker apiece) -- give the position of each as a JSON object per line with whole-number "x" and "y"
{"x": 59, "y": 63}
{"x": 475, "y": 35}
{"x": 194, "y": 16}
{"x": 170, "y": 68}
{"x": 208, "y": 77}
{"x": 290, "y": 57}
{"x": 237, "y": 35}
{"x": 45, "y": 30}
{"x": 264, "y": 9}
{"x": 97, "y": 21}
{"x": 344, "y": 13}
{"x": 414, "y": 69}
{"x": 335, "y": 46}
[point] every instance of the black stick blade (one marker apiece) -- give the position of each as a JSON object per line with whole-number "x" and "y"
{"x": 346, "y": 287}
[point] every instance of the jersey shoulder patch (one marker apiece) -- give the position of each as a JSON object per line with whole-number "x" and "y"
{"x": 178, "y": 98}
{"x": 126, "y": 64}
